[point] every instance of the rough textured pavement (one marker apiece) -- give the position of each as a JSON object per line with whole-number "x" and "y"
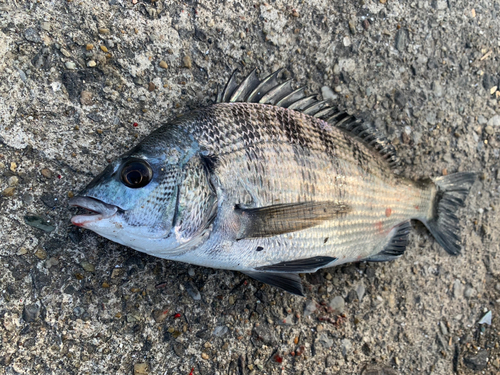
{"x": 81, "y": 81}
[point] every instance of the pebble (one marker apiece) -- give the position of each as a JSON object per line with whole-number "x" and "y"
{"x": 204, "y": 356}
{"x": 360, "y": 290}
{"x": 187, "y": 62}
{"x": 103, "y": 31}
{"x": 103, "y": 48}
{"x": 160, "y": 315}
{"x": 49, "y": 200}
{"x": 51, "y": 262}
{"x": 91, "y": 64}
{"x": 151, "y": 86}
{"x": 39, "y": 222}
{"x": 9, "y": 192}
{"x": 31, "y": 312}
{"x": 443, "y": 328}
{"x": 40, "y": 253}
{"x": 346, "y": 346}
{"x": 27, "y": 198}
{"x": 337, "y": 304}
{"x": 163, "y": 64}
{"x": 70, "y": 65}
{"x": 338, "y": 88}
{"x": 46, "y": 173}
{"x": 352, "y": 27}
{"x": 141, "y": 369}
{"x": 65, "y": 52}
{"x": 13, "y": 166}
{"x": 311, "y": 306}
{"x": 191, "y": 272}
{"x": 45, "y": 26}
{"x": 31, "y": 34}
{"x": 193, "y": 291}
{"x": 458, "y": 289}
{"x": 478, "y": 361}
{"x": 220, "y": 331}
{"x": 401, "y": 40}
{"x": 494, "y": 121}
{"x": 469, "y": 292}
{"x": 22, "y": 251}
{"x": 497, "y": 285}
{"x": 89, "y": 47}
{"x": 325, "y": 340}
{"x": 86, "y": 98}
{"x": 328, "y": 93}
{"x": 89, "y": 267}
{"x": 265, "y": 334}
{"x": 351, "y": 296}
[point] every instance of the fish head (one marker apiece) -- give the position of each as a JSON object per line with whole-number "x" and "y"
{"x": 133, "y": 201}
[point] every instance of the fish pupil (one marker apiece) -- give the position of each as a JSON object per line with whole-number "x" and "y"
{"x": 136, "y": 173}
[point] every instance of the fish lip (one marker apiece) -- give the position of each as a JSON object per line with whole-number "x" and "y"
{"x": 102, "y": 210}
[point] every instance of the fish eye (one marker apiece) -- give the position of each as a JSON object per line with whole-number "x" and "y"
{"x": 136, "y": 173}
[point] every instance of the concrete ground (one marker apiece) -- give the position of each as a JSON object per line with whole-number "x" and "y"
{"x": 82, "y": 81}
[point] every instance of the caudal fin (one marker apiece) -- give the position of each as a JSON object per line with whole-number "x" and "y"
{"x": 451, "y": 194}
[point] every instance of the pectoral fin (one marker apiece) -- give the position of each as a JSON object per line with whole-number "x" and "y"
{"x": 285, "y": 218}
{"x": 289, "y": 282}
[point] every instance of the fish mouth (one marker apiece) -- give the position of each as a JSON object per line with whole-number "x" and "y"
{"x": 98, "y": 210}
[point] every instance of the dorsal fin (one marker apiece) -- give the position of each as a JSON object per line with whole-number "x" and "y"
{"x": 271, "y": 91}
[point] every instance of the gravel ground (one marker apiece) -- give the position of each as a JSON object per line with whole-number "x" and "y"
{"x": 81, "y": 81}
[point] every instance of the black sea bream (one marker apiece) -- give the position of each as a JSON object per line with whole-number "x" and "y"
{"x": 271, "y": 183}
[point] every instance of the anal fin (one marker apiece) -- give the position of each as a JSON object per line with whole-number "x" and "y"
{"x": 307, "y": 265}
{"x": 289, "y": 282}
{"x": 396, "y": 246}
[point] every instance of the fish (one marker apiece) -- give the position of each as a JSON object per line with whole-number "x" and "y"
{"x": 270, "y": 182}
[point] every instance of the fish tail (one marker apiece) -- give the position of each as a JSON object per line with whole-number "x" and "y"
{"x": 450, "y": 196}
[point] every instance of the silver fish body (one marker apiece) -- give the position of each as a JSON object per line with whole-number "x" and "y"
{"x": 268, "y": 190}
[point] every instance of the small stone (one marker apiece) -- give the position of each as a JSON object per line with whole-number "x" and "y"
{"x": 187, "y": 62}
{"x": 70, "y": 65}
{"x": 360, "y": 290}
{"x": 105, "y": 285}
{"x": 351, "y": 296}
{"x": 337, "y": 304}
{"x": 49, "y": 200}
{"x": 489, "y": 130}
{"x": 13, "y": 166}
{"x": 151, "y": 86}
{"x": 141, "y": 369}
{"x": 51, "y": 262}
{"x": 86, "y": 98}
{"x": 328, "y": 93}
{"x": 481, "y": 120}
{"x": 383, "y": 1}
{"x": 338, "y": 88}
{"x": 494, "y": 121}
{"x": 89, "y": 47}
{"x": 31, "y": 34}
{"x": 46, "y": 173}
{"x": 469, "y": 292}
{"x": 231, "y": 300}
{"x": 160, "y": 315}
{"x": 443, "y": 328}
{"x": 477, "y": 362}
{"x": 65, "y": 52}
{"x": 458, "y": 289}
{"x": 9, "y": 192}
{"x": 89, "y": 267}
{"x": 392, "y": 301}
{"x": 220, "y": 331}
{"x": 27, "y": 198}
{"x": 163, "y": 64}
{"x": 45, "y": 26}
{"x": 352, "y": 27}
{"x": 103, "y": 31}
{"x": 22, "y": 250}
{"x": 295, "y": 13}
{"x": 31, "y": 313}
{"x": 39, "y": 222}
{"x": 91, "y": 64}
{"x": 193, "y": 291}
{"x": 103, "y": 48}
{"x": 493, "y": 89}
{"x": 311, "y": 306}
{"x": 401, "y": 40}
{"x": 325, "y": 340}
{"x": 40, "y": 253}
{"x": 204, "y": 356}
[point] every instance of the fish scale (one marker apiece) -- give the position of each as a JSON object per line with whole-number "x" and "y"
{"x": 269, "y": 182}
